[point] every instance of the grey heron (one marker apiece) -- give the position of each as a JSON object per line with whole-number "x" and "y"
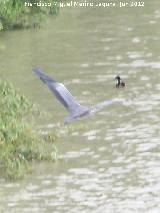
{"x": 75, "y": 109}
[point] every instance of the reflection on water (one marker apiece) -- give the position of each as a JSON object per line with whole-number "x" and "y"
{"x": 109, "y": 162}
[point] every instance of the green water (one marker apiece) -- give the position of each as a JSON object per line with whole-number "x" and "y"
{"x": 108, "y": 162}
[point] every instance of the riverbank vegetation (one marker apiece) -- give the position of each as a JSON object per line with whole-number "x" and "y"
{"x": 16, "y": 14}
{"x": 19, "y": 143}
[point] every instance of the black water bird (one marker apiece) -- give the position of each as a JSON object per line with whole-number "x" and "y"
{"x": 75, "y": 109}
{"x": 120, "y": 83}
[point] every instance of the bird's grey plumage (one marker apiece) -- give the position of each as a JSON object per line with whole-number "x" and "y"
{"x": 101, "y": 105}
{"x": 60, "y": 91}
{"x": 67, "y": 100}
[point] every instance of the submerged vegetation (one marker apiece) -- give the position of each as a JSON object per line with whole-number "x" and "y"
{"x": 15, "y": 14}
{"x": 19, "y": 144}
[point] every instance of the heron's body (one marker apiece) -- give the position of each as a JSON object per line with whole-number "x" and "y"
{"x": 75, "y": 109}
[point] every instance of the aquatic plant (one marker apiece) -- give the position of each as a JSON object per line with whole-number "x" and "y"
{"x": 19, "y": 143}
{"x": 16, "y": 14}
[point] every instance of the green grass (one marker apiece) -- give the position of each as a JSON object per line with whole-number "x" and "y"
{"x": 14, "y": 13}
{"x": 19, "y": 143}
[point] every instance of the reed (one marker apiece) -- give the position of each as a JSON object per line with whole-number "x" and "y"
{"x": 20, "y": 144}
{"x": 17, "y": 14}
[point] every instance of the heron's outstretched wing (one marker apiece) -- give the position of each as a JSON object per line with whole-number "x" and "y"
{"x": 59, "y": 90}
{"x": 101, "y": 105}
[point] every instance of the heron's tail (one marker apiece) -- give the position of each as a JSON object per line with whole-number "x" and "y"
{"x": 68, "y": 119}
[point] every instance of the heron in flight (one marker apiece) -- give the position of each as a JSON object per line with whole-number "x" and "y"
{"x": 75, "y": 109}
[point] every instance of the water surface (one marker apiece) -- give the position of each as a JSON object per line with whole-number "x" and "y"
{"x": 109, "y": 162}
